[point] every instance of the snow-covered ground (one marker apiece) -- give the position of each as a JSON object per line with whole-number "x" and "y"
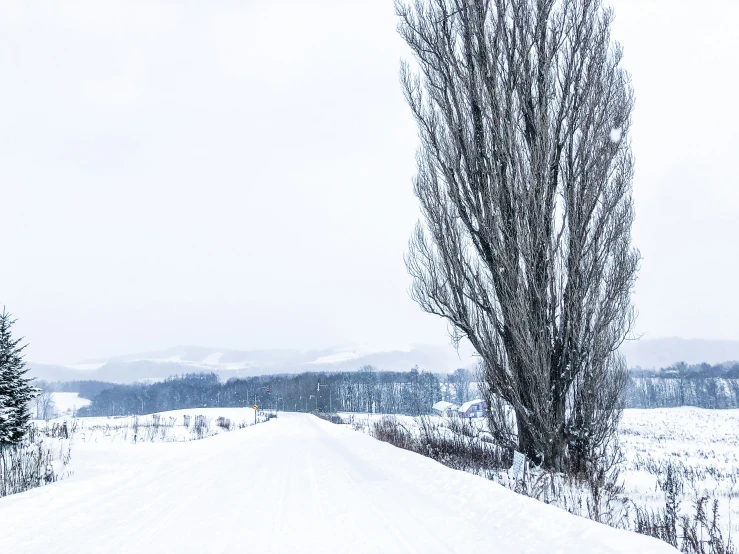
{"x": 293, "y": 484}
{"x": 67, "y": 403}
{"x": 171, "y": 426}
{"x": 702, "y": 446}
{"x": 701, "y": 438}
{"x": 52, "y": 440}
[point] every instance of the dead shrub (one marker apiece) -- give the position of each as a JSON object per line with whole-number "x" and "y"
{"x": 224, "y": 423}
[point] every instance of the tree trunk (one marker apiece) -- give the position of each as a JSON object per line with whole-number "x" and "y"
{"x": 527, "y": 445}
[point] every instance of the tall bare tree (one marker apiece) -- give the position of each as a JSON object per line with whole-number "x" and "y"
{"x": 461, "y": 380}
{"x": 45, "y": 407}
{"x": 524, "y": 180}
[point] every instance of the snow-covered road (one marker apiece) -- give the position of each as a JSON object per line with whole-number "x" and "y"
{"x": 294, "y": 484}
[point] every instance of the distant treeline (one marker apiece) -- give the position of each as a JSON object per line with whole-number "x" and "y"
{"x": 700, "y": 385}
{"x": 727, "y": 370}
{"x": 411, "y": 392}
{"x": 366, "y": 390}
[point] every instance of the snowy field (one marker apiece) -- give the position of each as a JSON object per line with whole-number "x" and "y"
{"x": 172, "y": 426}
{"x": 701, "y": 445}
{"x": 67, "y": 403}
{"x": 52, "y": 452}
{"x": 292, "y": 484}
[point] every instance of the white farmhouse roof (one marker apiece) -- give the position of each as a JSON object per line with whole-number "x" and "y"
{"x": 466, "y": 406}
{"x": 442, "y": 406}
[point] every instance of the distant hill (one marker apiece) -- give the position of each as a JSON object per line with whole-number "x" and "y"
{"x": 158, "y": 365}
{"x": 659, "y": 353}
{"x": 49, "y": 372}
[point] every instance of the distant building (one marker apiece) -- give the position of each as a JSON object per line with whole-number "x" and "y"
{"x": 445, "y": 408}
{"x": 473, "y": 408}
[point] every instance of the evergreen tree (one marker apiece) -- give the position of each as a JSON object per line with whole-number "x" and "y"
{"x": 16, "y": 390}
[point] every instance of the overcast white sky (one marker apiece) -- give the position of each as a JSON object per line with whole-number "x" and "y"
{"x": 238, "y": 174}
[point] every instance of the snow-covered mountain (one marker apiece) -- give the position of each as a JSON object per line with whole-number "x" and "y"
{"x": 157, "y": 365}
{"x": 227, "y": 363}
